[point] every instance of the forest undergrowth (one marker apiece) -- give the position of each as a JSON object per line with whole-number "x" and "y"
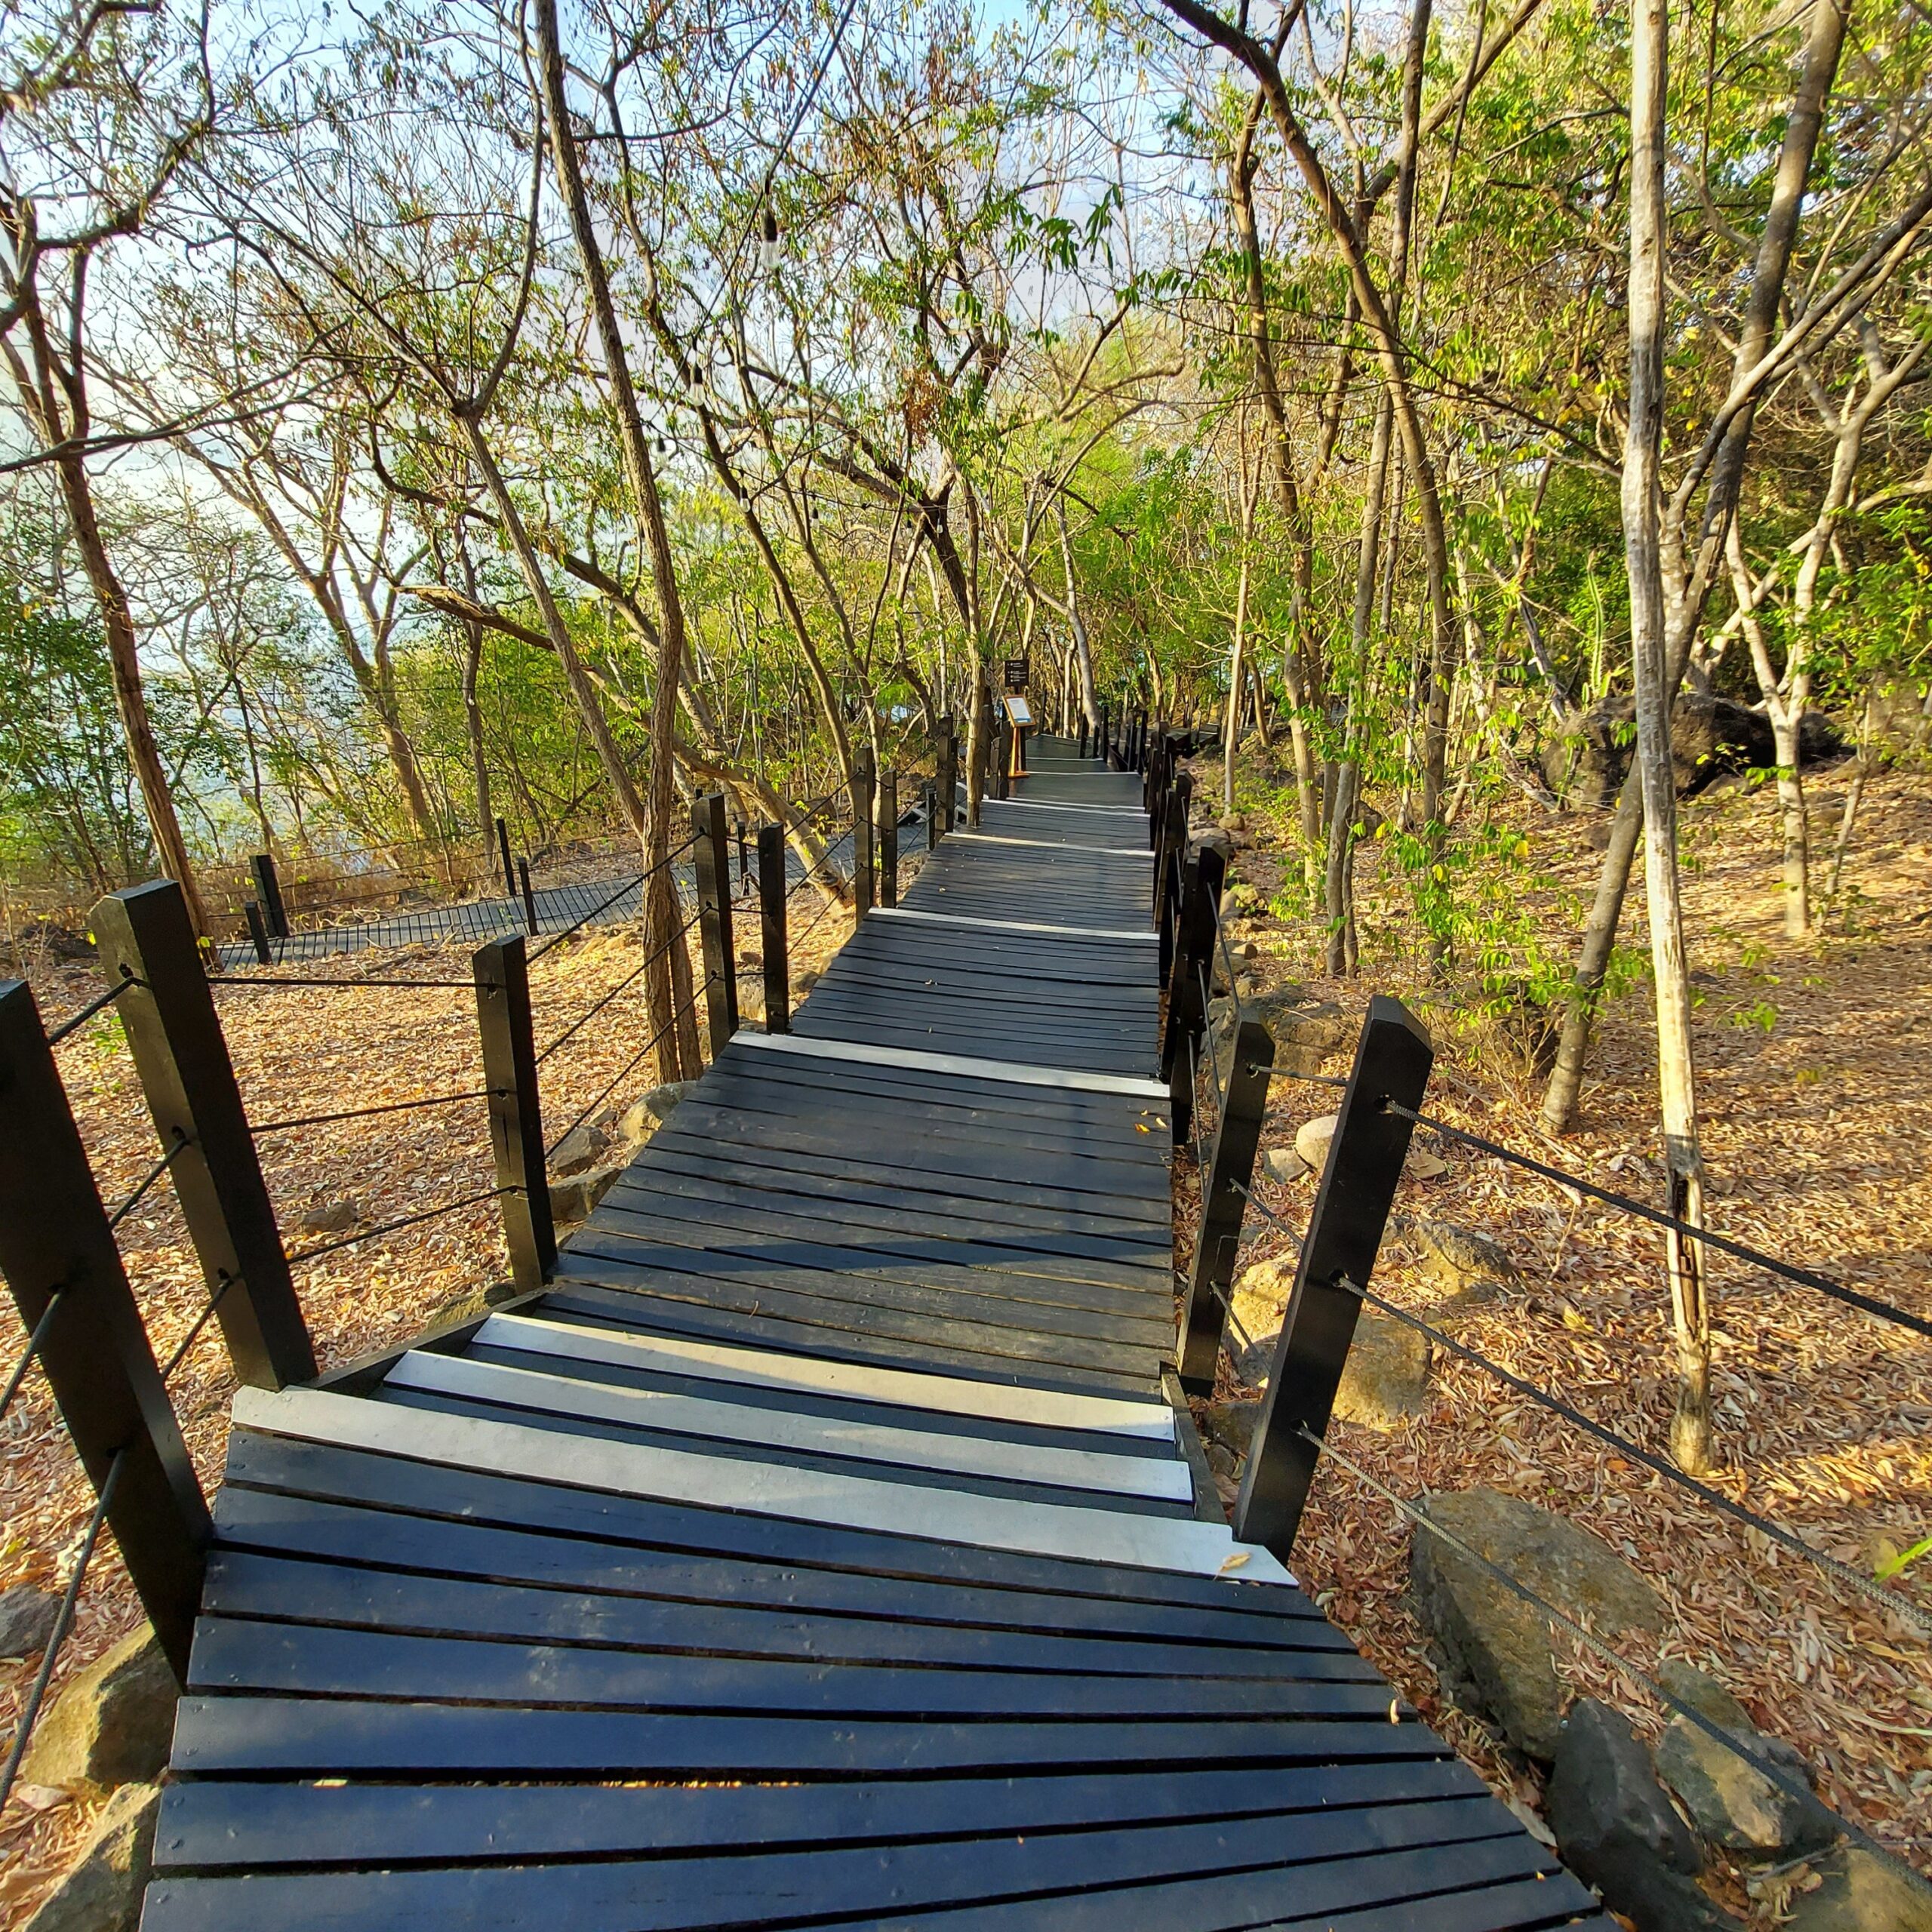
{"x": 1817, "y": 1117}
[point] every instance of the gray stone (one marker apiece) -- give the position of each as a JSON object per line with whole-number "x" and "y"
{"x": 26, "y": 1619}
{"x": 1231, "y": 1424}
{"x": 804, "y": 980}
{"x": 1616, "y": 1829}
{"x": 111, "y": 1725}
{"x": 103, "y": 1891}
{"x": 1324, "y": 1027}
{"x": 579, "y": 1149}
{"x": 662, "y": 1100}
{"x": 1703, "y": 1693}
{"x": 573, "y": 1200}
{"x": 1494, "y": 1649}
{"x": 1385, "y": 1381}
{"x": 1283, "y": 1164}
{"x": 1862, "y": 1893}
{"x": 1737, "y": 1808}
{"x": 1215, "y": 840}
{"x": 1454, "y": 1257}
{"x": 1311, "y": 1139}
{"x": 337, "y": 1217}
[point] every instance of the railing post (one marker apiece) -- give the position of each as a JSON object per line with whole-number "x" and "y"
{"x": 181, "y": 1058}
{"x": 946, "y": 786}
{"x": 1171, "y": 841}
{"x": 712, "y": 864}
{"x": 503, "y": 852}
{"x": 58, "y": 1253}
{"x": 529, "y": 897}
{"x": 888, "y": 838}
{"x": 1100, "y": 738}
{"x": 1365, "y": 1157}
{"x": 1187, "y": 1014}
{"x": 258, "y": 933}
{"x": 772, "y": 889}
{"x": 516, "y": 1112}
{"x": 1223, "y": 1196}
{"x": 1083, "y": 731}
{"x": 862, "y": 785}
{"x": 1003, "y": 751}
{"x": 267, "y": 890}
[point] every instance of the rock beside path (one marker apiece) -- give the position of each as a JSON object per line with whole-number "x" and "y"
{"x": 1385, "y": 1381}
{"x": 27, "y": 1615}
{"x": 103, "y": 1891}
{"x": 1494, "y": 1650}
{"x": 1738, "y": 1808}
{"x": 1616, "y": 1828}
{"x": 579, "y": 1149}
{"x": 1457, "y": 1258}
{"x": 1861, "y": 1892}
{"x": 574, "y": 1199}
{"x": 111, "y": 1725}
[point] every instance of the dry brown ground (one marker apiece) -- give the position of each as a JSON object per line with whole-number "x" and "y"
{"x": 1817, "y": 1107}
{"x": 300, "y": 1051}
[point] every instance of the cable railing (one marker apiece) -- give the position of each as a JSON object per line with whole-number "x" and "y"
{"x": 1380, "y": 1108}
{"x": 59, "y": 1249}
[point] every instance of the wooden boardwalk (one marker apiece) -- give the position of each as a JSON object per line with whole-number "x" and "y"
{"x": 822, "y": 1546}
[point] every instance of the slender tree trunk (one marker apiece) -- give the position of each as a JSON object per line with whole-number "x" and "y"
{"x": 1656, "y": 687}
{"x": 130, "y": 696}
{"x": 473, "y": 721}
{"x": 1337, "y": 898}
{"x": 1688, "y": 592}
{"x": 1593, "y": 955}
{"x": 1083, "y": 649}
{"x": 679, "y": 1052}
{"x": 1861, "y": 770}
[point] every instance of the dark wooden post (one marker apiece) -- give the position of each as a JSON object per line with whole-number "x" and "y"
{"x": 58, "y": 1255}
{"x": 516, "y": 1112}
{"x": 1083, "y": 731}
{"x": 267, "y": 890}
{"x": 1170, "y": 843}
{"x": 862, "y": 777}
{"x": 1365, "y": 1157}
{"x": 888, "y": 838}
{"x": 182, "y": 1059}
{"x": 1187, "y": 1013}
{"x": 1003, "y": 751}
{"x": 1223, "y": 1197}
{"x": 503, "y": 851}
{"x": 712, "y": 858}
{"x": 946, "y": 786}
{"x": 771, "y": 904}
{"x": 739, "y": 829}
{"x": 258, "y": 933}
{"x": 529, "y": 897}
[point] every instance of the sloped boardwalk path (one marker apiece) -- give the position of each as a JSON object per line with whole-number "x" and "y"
{"x": 821, "y": 1547}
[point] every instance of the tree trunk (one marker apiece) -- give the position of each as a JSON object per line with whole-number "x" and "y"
{"x": 130, "y": 696}
{"x": 1593, "y": 955}
{"x": 1687, "y": 594}
{"x": 661, "y": 915}
{"x": 1656, "y": 687}
{"x": 1797, "y": 867}
{"x": 1083, "y": 649}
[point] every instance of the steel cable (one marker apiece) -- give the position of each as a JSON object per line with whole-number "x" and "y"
{"x": 1767, "y": 1768}
{"x": 1890, "y": 1601}
{"x": 1851, "y": 1297}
